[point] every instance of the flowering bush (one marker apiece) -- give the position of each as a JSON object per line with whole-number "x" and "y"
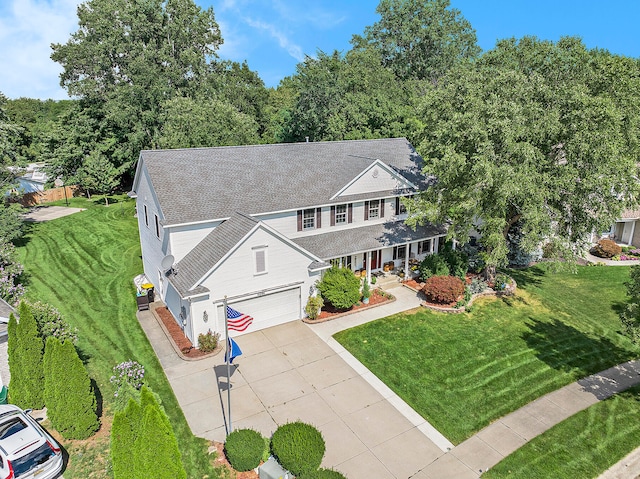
{"x": 10, "y": 270}
{"x": 635, "y": 252}
{"x": 208, "y": 342}
{"x": 51, "y": 323}
{"x": 128, "y": 372}
{"x": 624, "y": 257}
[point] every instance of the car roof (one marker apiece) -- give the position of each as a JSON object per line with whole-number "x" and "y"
{"x": 23, "y": 439}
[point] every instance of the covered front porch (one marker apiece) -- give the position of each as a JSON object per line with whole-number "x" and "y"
{"x": 389, "y": 248}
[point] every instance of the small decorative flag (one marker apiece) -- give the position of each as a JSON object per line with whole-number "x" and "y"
{"x": 238, "y": 321}
{"x": 233, "y": 351}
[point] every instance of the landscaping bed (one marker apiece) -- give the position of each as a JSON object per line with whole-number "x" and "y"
{"x": 377, "y": 298}
{"x": 181, "y": 344}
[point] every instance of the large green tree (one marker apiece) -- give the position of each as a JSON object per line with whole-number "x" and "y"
{"x": 346, "y": 97}
{"x": 536, "y": 135}
{"x": 421, "y": 39}
{"x": 130, "y": 56}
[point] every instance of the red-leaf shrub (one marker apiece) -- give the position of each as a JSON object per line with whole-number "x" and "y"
{"x": 606, "y": 248}
{"x": 443, "y": 289}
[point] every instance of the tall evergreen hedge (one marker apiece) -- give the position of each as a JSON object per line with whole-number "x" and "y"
{"x": 143, "y": 444}
{"x": 25, "y": 360}
{"x": 71, "y": 401}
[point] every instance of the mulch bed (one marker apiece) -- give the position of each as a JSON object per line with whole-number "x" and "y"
{"x": 180, "y": 341}
{"x": 377, "y": 298}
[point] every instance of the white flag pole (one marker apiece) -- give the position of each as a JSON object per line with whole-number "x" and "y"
{"x": 226, "y": 329}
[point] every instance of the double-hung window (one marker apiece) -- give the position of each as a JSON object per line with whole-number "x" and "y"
{"x": 374, "y": 209}
{"x": 341, "y": 214}
{"x": 308, "y": 219}
{"x": 400, "y": 252}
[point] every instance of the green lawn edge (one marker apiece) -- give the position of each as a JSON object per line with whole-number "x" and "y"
{"x": 83, "y": 264}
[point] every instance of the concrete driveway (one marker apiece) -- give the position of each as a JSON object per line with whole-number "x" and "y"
{"x": 289, "y": 373}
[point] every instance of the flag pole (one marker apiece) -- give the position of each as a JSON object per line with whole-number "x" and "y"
{"x": 228, "y": 358}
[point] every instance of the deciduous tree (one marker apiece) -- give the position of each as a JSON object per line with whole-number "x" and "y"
{"x": 421, "y": 39}
{"x": 539, "y": 134}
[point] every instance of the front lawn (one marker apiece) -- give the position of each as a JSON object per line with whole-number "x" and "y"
{"x": 584, "y": 445}
{"x": 83, "y": 265}
{"x": 460, "y": 372}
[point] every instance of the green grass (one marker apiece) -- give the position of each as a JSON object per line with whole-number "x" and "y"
{"x": 84, "y": 265}
{"x": 585, "y": 445}
{"x": 461, "y": 372}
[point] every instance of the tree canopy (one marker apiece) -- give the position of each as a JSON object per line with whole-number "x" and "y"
{"x": 536, "y": 134}
{"x": 421, "y": 39}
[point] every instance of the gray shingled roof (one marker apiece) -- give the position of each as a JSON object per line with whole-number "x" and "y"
{"x": 188, "y": 271}
{"x": 200, "y": 184}
{"x": 347, "y": 241}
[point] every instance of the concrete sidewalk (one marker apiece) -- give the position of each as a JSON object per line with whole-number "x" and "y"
{"x": 297, "y": 371}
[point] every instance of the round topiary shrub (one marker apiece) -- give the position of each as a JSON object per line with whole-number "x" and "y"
{"x": 323, "y": 474}
{"x": 443, "y": 289}
{"x": 298, "y": 447}
{"x": 244, "y": 449}
{"x": 606, "y": 248}
{"x": 340, "y": 287}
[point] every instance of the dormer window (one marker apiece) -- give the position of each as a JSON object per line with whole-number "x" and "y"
{"x": 341, "y": 214}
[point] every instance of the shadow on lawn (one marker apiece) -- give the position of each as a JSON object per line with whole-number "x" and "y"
{"x": 528, "y": 276}
{"x": 566, "y": 349}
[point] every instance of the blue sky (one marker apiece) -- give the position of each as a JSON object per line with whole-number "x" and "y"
{"x": 275, "y": 35}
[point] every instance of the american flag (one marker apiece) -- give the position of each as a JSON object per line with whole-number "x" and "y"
{"x": 238, "y": 321}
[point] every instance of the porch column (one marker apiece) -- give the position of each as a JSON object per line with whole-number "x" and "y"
{"x": 633, "y": 229}
{"x": 406, "y": 261}
{"x": 368, "y": 267}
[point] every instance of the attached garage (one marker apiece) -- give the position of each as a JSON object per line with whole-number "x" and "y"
{"x": 267, "y": 309}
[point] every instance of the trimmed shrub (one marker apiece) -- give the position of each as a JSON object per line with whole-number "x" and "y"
{"x": 366, "y": 290}
{"x": 606, "y": 248}
{"x": 323, "y": 474}
{"x": 298, "y": 447}
{"x": 208, "y": 342}
{"x": 244, "y": 449}
{"x": 124, "y": 431}
{"x": 25, "y": 360}
{"x": 143, "y": 444}
{"x": 314, "y": 304}
{"x": 443, "y": 289}
{"x": 630, "y": 319}
{"x": 71, "y": 401}
{"x": 51, "y": 323}
{"x": 340, "y": 287}
{"x": 433, "y": 265}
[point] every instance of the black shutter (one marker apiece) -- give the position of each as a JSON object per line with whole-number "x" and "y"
{"x": 366, "y": 210}
{"x": 397, "y": 205}
{"x": 382, "y": 208}
{"x": 318, "y": 217}
{"x": 350, "y": 214}
{"x": 333, "y": 216}
{"x": 299, "y": 220}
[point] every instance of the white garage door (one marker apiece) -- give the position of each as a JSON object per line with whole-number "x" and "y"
{"x": 269, "y": 310}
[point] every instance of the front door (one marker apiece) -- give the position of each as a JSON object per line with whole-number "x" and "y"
{"x": 376, "y": 259}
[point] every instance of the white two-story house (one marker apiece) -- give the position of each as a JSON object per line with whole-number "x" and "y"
{"x": 258, "y": 224}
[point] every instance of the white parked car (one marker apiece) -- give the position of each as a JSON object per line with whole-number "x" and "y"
{"x": 26, "y": 450}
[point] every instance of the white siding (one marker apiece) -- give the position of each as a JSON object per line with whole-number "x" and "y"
{"x": 183, "y": 239}
{"x": 374, "y": 180}
{"x": 153, "y": 249}
{"x": 235, "y": 277}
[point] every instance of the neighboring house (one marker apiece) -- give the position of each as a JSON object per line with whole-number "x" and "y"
{"x": 258, "y": 224}
{"x": 33, "y": 179}
{"x": 625, "y": 231}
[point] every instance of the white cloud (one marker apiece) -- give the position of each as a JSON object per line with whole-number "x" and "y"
{"x": 292, "y": 49}
{"x": 27, "y": 30}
